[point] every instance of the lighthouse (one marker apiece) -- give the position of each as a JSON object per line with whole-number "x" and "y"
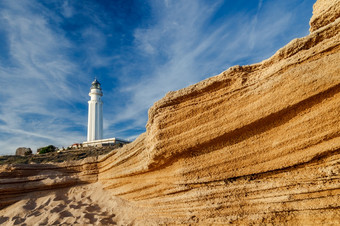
{"x": 95, "y": 120}
{"x": 95, "y": 115}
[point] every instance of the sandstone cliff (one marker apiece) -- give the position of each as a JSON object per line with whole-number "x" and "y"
{"x": 255, "y": 144}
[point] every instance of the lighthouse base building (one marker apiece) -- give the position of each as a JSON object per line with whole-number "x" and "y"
{"x": 105, "y": 142}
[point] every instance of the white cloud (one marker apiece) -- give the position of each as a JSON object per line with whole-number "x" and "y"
{"x": 37, "y": 82}
{"x": 67, "y": 9}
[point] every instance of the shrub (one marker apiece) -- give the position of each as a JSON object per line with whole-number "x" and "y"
{"x": 47, "y": 149}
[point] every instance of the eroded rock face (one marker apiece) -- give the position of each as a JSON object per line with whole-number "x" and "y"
{"x": 255, "y": 144}
{"x": 324, "y": 13}
{"x": 18, "y": 180}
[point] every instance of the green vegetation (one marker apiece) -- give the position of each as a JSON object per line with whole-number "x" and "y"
{"x": 47, "y": 149}
{"x": 59, "y": 156}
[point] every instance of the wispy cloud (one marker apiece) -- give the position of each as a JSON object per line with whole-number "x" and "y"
{"x": 185, "y": 46}
{"x": 67, "y": 9}
{"x": 38, "y": 80}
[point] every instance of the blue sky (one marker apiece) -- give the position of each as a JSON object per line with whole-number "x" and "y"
{"x": 50, "y": 52}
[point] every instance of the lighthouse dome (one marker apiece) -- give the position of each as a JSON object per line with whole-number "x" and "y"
{"x": 95, "y": 84}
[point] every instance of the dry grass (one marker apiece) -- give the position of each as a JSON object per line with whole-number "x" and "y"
{"x": 62, "y": 156}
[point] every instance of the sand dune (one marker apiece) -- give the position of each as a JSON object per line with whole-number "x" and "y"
{"x": 85, "y": 204}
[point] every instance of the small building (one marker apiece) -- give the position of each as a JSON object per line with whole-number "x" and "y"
{"x": 76, "y": 145}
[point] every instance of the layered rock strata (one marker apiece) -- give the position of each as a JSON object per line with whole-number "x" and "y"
{"x": 255, "y": 144}
{"x": 18, "y": 180}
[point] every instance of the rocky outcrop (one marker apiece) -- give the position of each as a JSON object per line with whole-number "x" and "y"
{"x": 22, "y": 151}
{"x": 255, "y": 144}
{"x": 324, "y": 13}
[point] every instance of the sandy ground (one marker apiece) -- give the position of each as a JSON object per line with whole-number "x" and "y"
{"x": 80, "y": 205}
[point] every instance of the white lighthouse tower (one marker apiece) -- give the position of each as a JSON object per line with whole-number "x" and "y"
{"x": 95, "y": 117}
